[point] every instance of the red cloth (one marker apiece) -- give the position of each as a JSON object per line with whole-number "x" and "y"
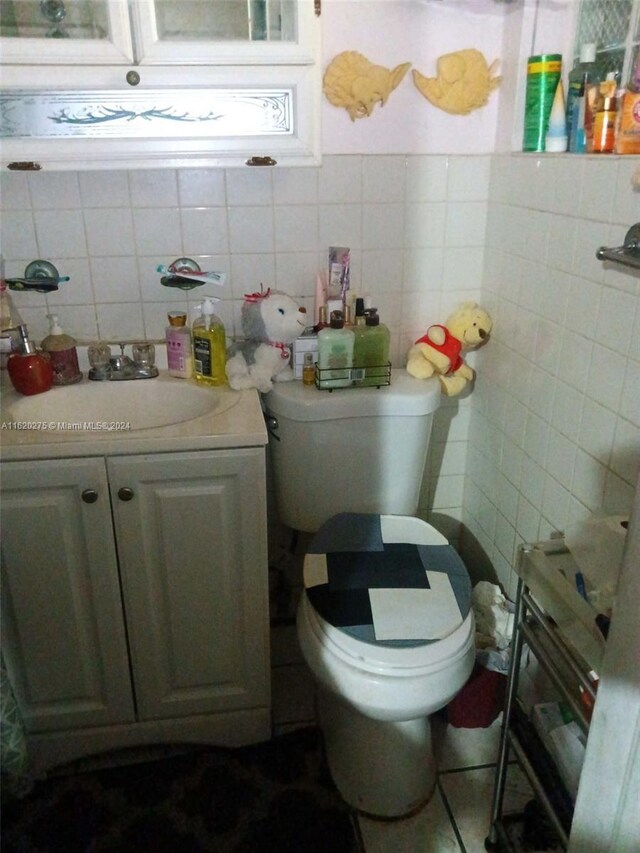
{"x": 451, "y": 348}
{"x": 480, "y": 701}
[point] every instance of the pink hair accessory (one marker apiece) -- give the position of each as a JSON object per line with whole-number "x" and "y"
{"x": 254, "y": 297}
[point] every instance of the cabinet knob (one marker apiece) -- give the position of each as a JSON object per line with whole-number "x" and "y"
{"x": 89, "y": 496}
{"x": 125, "y": 493}
{"x": 133, "y": 78}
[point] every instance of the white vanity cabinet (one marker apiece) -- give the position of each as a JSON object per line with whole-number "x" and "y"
{"x": 135, "y": 599}
{"x": 159, "y": 83}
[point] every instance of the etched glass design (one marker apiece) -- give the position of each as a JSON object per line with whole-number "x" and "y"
{"x": 182, "y": 113}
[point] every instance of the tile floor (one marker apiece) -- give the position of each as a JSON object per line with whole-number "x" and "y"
{"x": 456, "y": 820}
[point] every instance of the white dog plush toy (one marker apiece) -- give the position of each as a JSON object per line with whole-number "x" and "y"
{"x": 271, "y": 321}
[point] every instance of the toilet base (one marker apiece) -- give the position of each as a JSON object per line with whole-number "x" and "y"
{"x": 383, "y": 769}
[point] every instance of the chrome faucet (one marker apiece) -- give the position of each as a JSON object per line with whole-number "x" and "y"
{"x": 121, "y": 367}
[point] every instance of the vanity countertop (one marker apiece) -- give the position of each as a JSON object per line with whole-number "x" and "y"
{"x": 236, "y": 421}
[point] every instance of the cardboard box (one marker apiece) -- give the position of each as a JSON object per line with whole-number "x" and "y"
{"x": 307, "y": 342}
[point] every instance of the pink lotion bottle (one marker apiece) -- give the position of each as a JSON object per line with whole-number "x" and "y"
{"x": 179, "y": 352}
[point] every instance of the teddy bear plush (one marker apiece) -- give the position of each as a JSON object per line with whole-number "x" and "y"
{"x": 438, "y": 352}
{"x": 271, "y": 321}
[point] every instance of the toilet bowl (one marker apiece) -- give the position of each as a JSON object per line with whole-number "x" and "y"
{"x": 380, "y": 680}
{"x": 384, "y": 622}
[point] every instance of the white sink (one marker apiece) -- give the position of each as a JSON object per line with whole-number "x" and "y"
{"x": 114, "y": 406}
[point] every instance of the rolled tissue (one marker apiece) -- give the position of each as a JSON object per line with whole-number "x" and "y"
{"x": 597, "y": 545}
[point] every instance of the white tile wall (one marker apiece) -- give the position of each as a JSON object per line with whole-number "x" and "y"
{"x": 555, "y": 409}
{"x": 554, "y": 422}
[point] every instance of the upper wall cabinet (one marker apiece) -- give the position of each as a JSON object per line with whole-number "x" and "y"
{"x": 116, "y": 84}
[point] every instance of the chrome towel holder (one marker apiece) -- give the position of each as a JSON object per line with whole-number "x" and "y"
{"x": 628, "y": 254}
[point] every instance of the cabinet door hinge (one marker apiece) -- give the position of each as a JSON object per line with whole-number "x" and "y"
{"x": 317, "y": 7}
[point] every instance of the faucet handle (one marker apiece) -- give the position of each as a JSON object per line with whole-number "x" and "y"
{"x": 144, "y": 354}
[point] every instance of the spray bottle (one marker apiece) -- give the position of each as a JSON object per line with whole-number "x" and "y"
{"x": 209, "y": 345}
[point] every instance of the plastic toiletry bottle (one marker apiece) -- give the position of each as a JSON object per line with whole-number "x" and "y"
{"x": 179, "y": 351}
{"x": 209, "y": 345}
{"x": 335, "y": 354}
{"x": 62, "y": 353}
{"x": 628, "y": 118}
{"x": 578, "y": 138}
{"x": 371, "y": 350}
{"x": 556, "y": 139}
{"x": 604, "y": 125}
{"x": 584, "y": 75}
{"x": 543, "y": 73}
{"x": 30, "y": 371}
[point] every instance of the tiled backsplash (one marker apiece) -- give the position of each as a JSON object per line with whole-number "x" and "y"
{"x": 415, "y": 226}
{"x": 554, "y": 421}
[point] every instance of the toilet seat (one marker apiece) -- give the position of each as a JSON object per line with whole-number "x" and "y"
{"x": 386, "y": 592}
{"x": 384, "y": 660}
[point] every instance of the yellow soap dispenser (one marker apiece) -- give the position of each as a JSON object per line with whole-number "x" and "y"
{"x": 209, "y": 345}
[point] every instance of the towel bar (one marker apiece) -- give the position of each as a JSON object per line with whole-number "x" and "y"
{"x": 627, "y": 254}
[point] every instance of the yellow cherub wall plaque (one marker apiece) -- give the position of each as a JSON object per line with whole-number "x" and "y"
{"x": 356, "y": 84}
{"x": 463, "y": 84}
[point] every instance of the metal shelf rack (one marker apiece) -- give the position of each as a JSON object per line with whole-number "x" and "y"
{"x": 559, "y": 628}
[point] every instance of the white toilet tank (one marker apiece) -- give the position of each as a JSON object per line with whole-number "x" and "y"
{"x": 350, "y": 449}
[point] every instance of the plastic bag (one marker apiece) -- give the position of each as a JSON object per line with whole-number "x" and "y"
{"x": 493, "y": 613}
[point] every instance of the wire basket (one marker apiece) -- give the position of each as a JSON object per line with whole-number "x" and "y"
{"x": 372, "y": 376}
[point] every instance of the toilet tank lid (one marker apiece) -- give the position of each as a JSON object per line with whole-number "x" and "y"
{"x": 405, "y": 396}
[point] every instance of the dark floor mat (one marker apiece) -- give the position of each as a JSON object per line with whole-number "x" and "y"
{"x": 274, "y": 797}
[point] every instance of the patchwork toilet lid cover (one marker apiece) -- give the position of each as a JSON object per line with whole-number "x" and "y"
{"x": 391, "y": 593}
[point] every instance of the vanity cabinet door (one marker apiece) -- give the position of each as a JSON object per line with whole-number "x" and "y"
{"x": 191, "y": 532}
{"x": 63, "y": 636}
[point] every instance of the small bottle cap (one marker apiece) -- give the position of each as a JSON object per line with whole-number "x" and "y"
{"x": 372, "y": 318}
{"x": 337, "y": 320}
{"x": 359, "y": 307}
{"x": 588, "y": 52}
{"x": 177, "y": 318}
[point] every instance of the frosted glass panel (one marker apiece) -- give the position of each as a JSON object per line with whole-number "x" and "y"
{"x": 225, "y": 20}
{"x": 76, "y": 19}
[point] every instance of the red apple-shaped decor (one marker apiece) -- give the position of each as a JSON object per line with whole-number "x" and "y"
{"x": 30, "y": 373}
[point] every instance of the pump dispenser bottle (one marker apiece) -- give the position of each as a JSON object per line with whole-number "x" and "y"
{"x": 209, "y": 345}
{"x": 30, "y": 371}
{"x": 10, "y": 320}
{"x": 335, "y": 353}
{"x": 63, "y": 354}
{"x": 371, "y": 350}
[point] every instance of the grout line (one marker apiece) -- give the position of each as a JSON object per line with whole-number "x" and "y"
{"x": 452, "y": 820}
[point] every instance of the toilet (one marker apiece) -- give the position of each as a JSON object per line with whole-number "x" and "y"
{"x": 384, "y": 622}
